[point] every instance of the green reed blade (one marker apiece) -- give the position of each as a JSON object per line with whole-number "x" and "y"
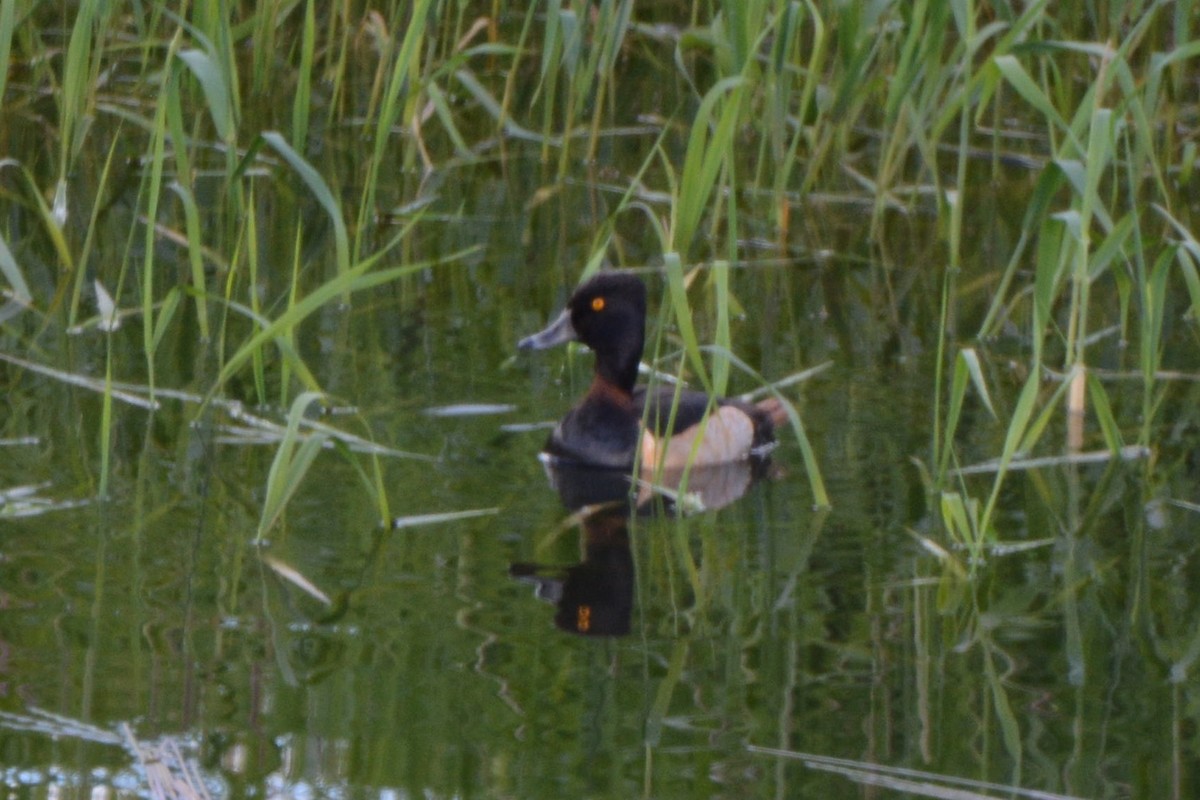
{"x": 292, "y": 460}
{"x": 166, "y": 313}
{"x": 1159, "y": 64}
{"x": 940, "y": 438}
{"x": 249, "y": 245}
{"x": 908, "y": 69}
{"x": 1187, "y": 266}
{"x": 1153, "y": 307}
{"x": 780, "y": 90}
{"x": 263, "y": 27}
{"x": 723, "y": 340}
{"x": 1112, "y": 247}
{"x": 971, "y": 358}
{"x": 215, "y": 85}
{"x": 492, "y": 107}
{"x": 320, "y": 190}
{"x": 1010, "y": 729}
{"x": 806, "y": 111}
{"x": 677, "y": 293}
{"x": 1188, "y": 256}
{"x": 1101, "y": 142}
{"x": 301, "y": 103}
{"x": 286, "y": 339}
{"x": 50, "y": 224}
{"x": 1109, "y": 426}
{"x": 355, "y": 279}
{"x": 195, "y": 233}
{"x": 811, "y": 466}
{"x": 552, "y": 37}
{"x": 520, "y": 48}
{"x": 105, "y": 432}
{"x": 79, "y": 76}
{"x": 442, "y": 108}
{"x": 12, "y": 273}
{"x": 616, "y": 28}
{"x": 399, "y": 102}
{"x": 1044, "y": 194}
{"x": 158, "y": 137}
{"x": 548, "y": 74}
{"x": 1038, "y": 425}
{"x": 966, "y": 369}
{"x": 1053, "y": 249}
{"x": 93, "y": 234}
{"x": 958, "y": 523}
{"x": 373, "y": 482}
{"x": 704, "y": 157}
{"x": 656, "y": 716}
{"x": 1018, "y": 425}
{"x": 550, "y": 46}
{"x": 613, "y": 26}
{"x": 7, "y": 21}
{"x": 572, "y": 42}
{"x": 181, "y": 186}
{"x": 1020, "y": 80}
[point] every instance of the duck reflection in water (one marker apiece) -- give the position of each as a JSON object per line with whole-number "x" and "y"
{"x": 595, "y": 596}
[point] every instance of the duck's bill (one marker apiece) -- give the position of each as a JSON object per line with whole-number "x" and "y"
{"x": 555, "y": 333}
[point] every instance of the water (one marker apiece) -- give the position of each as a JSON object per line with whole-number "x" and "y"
{"x": 436, "y": 670}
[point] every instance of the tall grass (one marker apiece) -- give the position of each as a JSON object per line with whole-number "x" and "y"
{"x": 771, "y": 102}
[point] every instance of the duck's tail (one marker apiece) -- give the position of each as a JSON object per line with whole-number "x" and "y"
{"x": 773, "y": 409}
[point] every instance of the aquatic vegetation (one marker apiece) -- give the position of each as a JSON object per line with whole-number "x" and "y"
{"x": 221, "y": 220}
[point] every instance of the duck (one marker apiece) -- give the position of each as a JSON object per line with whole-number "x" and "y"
{"x": 605, "y": 429}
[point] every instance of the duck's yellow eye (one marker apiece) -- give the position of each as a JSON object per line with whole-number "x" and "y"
{"x": 597, "y": 304}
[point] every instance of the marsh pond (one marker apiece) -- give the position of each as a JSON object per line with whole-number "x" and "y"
{"x": 273, "y": 520}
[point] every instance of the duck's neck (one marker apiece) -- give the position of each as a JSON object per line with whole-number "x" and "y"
{"x": 619, "y": 369}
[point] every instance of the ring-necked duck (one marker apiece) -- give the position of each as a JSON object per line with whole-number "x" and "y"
{"x": 608, "y": 314}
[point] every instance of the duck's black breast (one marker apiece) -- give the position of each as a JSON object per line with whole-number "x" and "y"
{"x": 599, "y": 431}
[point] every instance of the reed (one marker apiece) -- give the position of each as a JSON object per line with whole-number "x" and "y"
{"x": 293, "y": 457}
{"x": 770, "y": 104}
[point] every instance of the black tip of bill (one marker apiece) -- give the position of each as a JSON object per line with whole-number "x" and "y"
{"x": 555, "y": 333}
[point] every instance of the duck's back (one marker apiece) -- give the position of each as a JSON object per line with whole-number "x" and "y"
{"x": 732, "y": 430}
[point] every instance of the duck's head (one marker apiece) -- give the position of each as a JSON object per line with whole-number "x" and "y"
{"x": 608, "y": 314}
